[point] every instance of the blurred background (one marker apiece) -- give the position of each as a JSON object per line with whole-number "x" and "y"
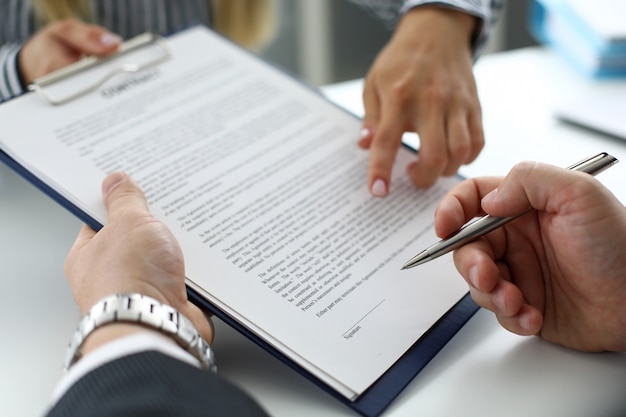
{"x": 341, "y": 39}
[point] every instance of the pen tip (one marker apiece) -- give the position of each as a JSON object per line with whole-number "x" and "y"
{"x": 422, "y": 257}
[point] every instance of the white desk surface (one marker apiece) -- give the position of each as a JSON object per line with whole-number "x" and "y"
{"x": 483, "y": 371}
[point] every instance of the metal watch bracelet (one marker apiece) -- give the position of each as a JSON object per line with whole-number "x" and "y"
{"x": 144, "y": 310}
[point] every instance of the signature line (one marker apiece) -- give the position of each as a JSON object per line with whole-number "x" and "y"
{"x": 363, "y": 318}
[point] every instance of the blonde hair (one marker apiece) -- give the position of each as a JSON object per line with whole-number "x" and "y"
{"x": 251, "y": 23}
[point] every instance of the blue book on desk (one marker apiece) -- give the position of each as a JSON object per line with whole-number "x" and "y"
{"x": 590, "y": 35}
{"x": 259, "y": 178}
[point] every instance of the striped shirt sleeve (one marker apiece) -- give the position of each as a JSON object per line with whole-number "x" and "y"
{"x": 10, "y": 83}
{"x": 487, "y": 11}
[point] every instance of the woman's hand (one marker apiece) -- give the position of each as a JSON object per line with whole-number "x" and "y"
{"x": 62, "y": 43}
{"x": 422, "y": 82}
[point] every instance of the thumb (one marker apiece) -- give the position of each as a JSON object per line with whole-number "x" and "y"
{"x": 122, "y": 195}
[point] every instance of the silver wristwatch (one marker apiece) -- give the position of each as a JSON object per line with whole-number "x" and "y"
{"x": 138, "y": 308}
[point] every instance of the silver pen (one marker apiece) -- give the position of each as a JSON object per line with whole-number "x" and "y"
{"x": 480, "y": 227}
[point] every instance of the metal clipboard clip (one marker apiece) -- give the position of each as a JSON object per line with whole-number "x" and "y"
{"x": 136, "y": 54}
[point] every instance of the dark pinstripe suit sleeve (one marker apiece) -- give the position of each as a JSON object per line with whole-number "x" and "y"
{"x": 156, "y": 385}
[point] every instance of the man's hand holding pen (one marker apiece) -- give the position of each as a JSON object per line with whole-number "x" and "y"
{"x": 559, "y": 271}
{"x": 480, "y": 227}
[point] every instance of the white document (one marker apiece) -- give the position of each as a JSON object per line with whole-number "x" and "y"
{"x": 262, "y": 182}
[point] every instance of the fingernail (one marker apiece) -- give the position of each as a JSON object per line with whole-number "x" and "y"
{"x": 365, "y": 136}
{"x": 524, "y": 321}
{"x": 379, "y": 189}
{"x": 110, "y": 39}
{"x": 491, "y": 196}
{"x": 473, "y": 276}
{"x": 112, "y": 181}
{"x": 498, "y": 301}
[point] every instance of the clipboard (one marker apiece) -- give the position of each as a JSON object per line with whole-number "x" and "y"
{"x": 117, "y": 64}
{"x": 373, "y": 401}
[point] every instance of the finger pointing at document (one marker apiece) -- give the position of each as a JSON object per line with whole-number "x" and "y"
{"x": 422, "y": 82}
